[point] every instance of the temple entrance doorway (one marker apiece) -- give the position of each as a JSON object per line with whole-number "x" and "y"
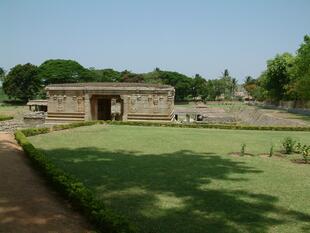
{"x": 104, "y": 109}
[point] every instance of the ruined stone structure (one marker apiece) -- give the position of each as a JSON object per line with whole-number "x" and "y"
{"x": 109, "y": 101}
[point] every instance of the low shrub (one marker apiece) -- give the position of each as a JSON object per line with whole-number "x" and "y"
{"x": 298, "y": 148}
{"x": 203, "y": 125}
{"x": 304, "y": 150}
{"x": 289, "y": 145}
{"x": 73, "y": 125}
{"x": 72, "y": 189}
{"x": 242, "y": 152}
{"x": 271, "y": 151}
{"x": 306, "y": 153}
{"x": 5, "y": 118}
{"x": 35, "y": 131}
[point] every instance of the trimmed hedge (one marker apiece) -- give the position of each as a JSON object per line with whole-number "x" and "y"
{"x": 72, "y": 189}
{"x": 207, "y": 126}
{"x": 36, "y": 131}
{"x": 5, "y": 118}
{"x": 73, "y": 125}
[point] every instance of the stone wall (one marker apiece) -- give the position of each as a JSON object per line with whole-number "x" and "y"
{"x": 65, "y": 106}
{"x": 152, "y": 106}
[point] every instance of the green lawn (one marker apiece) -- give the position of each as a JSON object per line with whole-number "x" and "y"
{"x": 173, "y": 180}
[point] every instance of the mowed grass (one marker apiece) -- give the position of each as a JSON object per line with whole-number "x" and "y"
{"x": 184, "y": 180}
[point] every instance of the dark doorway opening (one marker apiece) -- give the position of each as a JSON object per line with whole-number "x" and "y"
{"x": 104, "y": 109}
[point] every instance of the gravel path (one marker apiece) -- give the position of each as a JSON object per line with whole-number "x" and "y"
{"x": 27, "y": 205}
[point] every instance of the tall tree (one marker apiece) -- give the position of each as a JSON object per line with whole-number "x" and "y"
{"x": 250, "y": 85}
{"x": 199, "y": 86}
{"x": 106, "y": 75}
{"x": 228, "y": 84}
{"x": 2, "y": 75}
{"x": 300, "y": 81}
{"x": 234, "y": 84}
{"x": 180, "y": 82}
{"x": 129, "y": 77}
{"x": 278, "y": 76}
{"x": 22, "y": 82}
{"x": 226, "y": 73}
{"x": 64, "y": 71}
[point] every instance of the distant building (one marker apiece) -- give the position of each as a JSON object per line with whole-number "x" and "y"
{"x": 242, "y": 94}
{"x": 74, "y": 102}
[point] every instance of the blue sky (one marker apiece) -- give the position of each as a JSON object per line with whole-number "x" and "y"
{"x": 190, "y": 36}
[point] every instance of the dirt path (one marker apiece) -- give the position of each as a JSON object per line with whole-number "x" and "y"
{"x": 27, "y": 205}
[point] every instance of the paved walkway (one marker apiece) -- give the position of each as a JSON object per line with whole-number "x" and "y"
{"x": 27, "y": 205}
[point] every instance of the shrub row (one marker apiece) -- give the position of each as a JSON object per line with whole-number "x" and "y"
{"x": 210, "y": 126}
{"x": 73, "y": 125}
{"x": 5, "y": 118}
{"x": 36, "y": 131}
{"x": 72, "y": 189}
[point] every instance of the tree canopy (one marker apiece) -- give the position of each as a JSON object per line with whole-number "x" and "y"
{"x": 22, "y": 82}
{"x": 105, "y": 75}
{"x": 63, "y": 71}
{"x": 2, "y": 75}
{"x": 277, "y": 76}
{"x": 287, "y": 77}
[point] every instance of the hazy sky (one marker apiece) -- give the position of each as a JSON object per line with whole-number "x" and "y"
{"x": 190, "y": 36}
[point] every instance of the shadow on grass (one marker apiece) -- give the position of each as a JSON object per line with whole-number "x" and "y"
{"x": 172, "y": 192}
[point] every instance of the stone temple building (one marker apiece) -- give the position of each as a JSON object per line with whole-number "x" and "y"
{"x": 73, "y": 102}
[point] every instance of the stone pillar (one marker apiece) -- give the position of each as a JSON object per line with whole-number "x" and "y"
{"x": 87, "y": 108}
{"x": 125, "y": 107}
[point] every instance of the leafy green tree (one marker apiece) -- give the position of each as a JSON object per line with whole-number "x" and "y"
{"x": 129, "y": 77}
{"x": 277, "y": 76}
{"x": 259, "y": 92}
{"x": 153, "y": 76}
{"x": 249, "y": 79}
{"x": 180, "y": 82}
{"x": 227, "y": 84}
{"x": 106, "y": 75}
{"x": 299, "y": 86}
{"x": 214, "y": 89}
{"x": 234, "y": 84}
{"x": 64, "y": 71}
{"x": 226, "y": 73}
{"x": 250, "y": 85}
{"x": 199, "y": 87}
{"x": 22, "y": 82}
{"x": 2, "y": 75}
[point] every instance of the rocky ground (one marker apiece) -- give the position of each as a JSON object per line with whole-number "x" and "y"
{"x": 11, "y": 125}
{"x": 19, "y": 112}
{"x": 243, "y": 115}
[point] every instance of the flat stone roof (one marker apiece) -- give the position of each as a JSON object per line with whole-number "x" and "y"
{"x": 37, "y": 102}
{"x": 103, "y": 85}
